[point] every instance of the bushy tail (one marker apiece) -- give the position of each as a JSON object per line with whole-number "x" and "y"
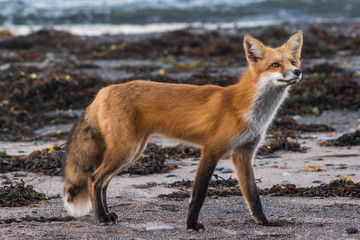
{"x": 84, "y": 152}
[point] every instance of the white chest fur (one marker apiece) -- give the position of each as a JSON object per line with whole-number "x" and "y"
{"x": 263, "y": 110}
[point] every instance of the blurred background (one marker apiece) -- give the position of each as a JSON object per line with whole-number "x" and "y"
{"x": 140, "y": 16}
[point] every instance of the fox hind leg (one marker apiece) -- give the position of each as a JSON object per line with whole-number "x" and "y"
{"x": 123, "y": 167}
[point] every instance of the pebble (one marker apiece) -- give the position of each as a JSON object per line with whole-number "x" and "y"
{"x": 351, "y": 230}
{"x": 227, "y": 170}
{"x": 254, "y": 165}
{"x": 329, "y": 164}
{"x": 170, "y": 175}
{"x": 194, "y": 164}
{"x": 286, "y": 174}
{"x": 33, "y": 211}
{"x": 317, "y": 181}
{"x": 170, "y": 160}
{"x": 351, "y": 174}
{"x": 272, "y": 156}
{"x": 285, "y": 182}
{"x": 327, "y": 138}
{"x": 258, "y": 157}
{"x": 160, "y": 228}
{"x": 306, "y": 161}
{"x": 219, "y": 168}
{"x": 294, "y": 170}
{"x": 342, "y": 167}
{"x": 267, "y": 162}
{"x": 195, "y": 159}
{"x": 153, "y": 182}
{"x": 162, "y": 185}
{"x": 318, "y": 210}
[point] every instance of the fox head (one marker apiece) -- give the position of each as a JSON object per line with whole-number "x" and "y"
{"x": 276, "y": 66}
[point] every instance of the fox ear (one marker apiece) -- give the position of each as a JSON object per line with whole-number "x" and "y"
{"x": 254, "y": 49}
{"x": 294, "y": 44}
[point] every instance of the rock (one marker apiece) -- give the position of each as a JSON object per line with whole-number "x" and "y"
{"x": 219, "y": 168}
{"x": 317, "y": 181}
{"x": 194, "y": 164}
{"x": 227, "y": 170}
{"x": 159, "y": 228}
{"x": 171, "y": 175}
{"x": 272, "y": 156}
{"x": 351, "y": 230}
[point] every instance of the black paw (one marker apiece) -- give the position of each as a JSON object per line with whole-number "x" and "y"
{"x": 198, "y": 227}
{"x": 109, "y": 219}
{"x": 263, "y": 222}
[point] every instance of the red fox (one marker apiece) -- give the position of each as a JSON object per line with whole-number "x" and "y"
{"x": 116, "y": 126}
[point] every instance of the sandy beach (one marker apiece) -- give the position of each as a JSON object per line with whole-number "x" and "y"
{"x": 48, "y": 77}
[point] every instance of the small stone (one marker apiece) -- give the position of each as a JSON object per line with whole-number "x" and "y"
{"x": 195, "y": 159}
{"x": 162, "y": 185}
{"x": 194, "y": 164}
{"x": 286, "y": 174}
{"x": 160, "y": 228}
{"x": 272, "y": 156}
{"x": 317, "y": 181}
{"x": 342, "y": 167}
{"x": 254, "y": 165}
{"x": 33, "y": 211}
{"x": 285, "y": 182}
{"x": 306, "y": 161}
{"x": 351, "y": 174}
{"x": 227, "y": 170}
{"x": 351, "y": 230}
{"x": 219, "y": 168}
{"x": 318, "y": 210}
{"x": 294, "y": 170}
{"x": 170, "y": 160}
{"x": 329, "y": 164}
{"x": 170, "y": 175}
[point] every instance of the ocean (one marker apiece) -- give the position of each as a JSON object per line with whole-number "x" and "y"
{"x": 145, "y": 16}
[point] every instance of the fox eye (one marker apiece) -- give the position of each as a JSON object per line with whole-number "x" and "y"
{"x": 293, "y": 63}
{"x": 275, "y": 65}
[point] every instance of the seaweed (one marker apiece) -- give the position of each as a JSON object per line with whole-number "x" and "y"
{"x": 17, "y": 195}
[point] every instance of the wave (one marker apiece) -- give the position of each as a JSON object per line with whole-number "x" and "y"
{"x": 55, "y": 12}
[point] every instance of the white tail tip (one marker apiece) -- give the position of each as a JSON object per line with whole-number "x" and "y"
{"x": 80, "y": 206}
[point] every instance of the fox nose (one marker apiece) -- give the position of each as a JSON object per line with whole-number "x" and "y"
{"x": 297, "y": 72}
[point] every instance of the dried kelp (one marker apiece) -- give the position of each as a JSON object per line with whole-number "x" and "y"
{"x": 17, "y": 195}
{"x": 340, "y": 187}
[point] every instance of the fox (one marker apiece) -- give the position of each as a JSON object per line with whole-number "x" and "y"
{"x": 116, "y": 126}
